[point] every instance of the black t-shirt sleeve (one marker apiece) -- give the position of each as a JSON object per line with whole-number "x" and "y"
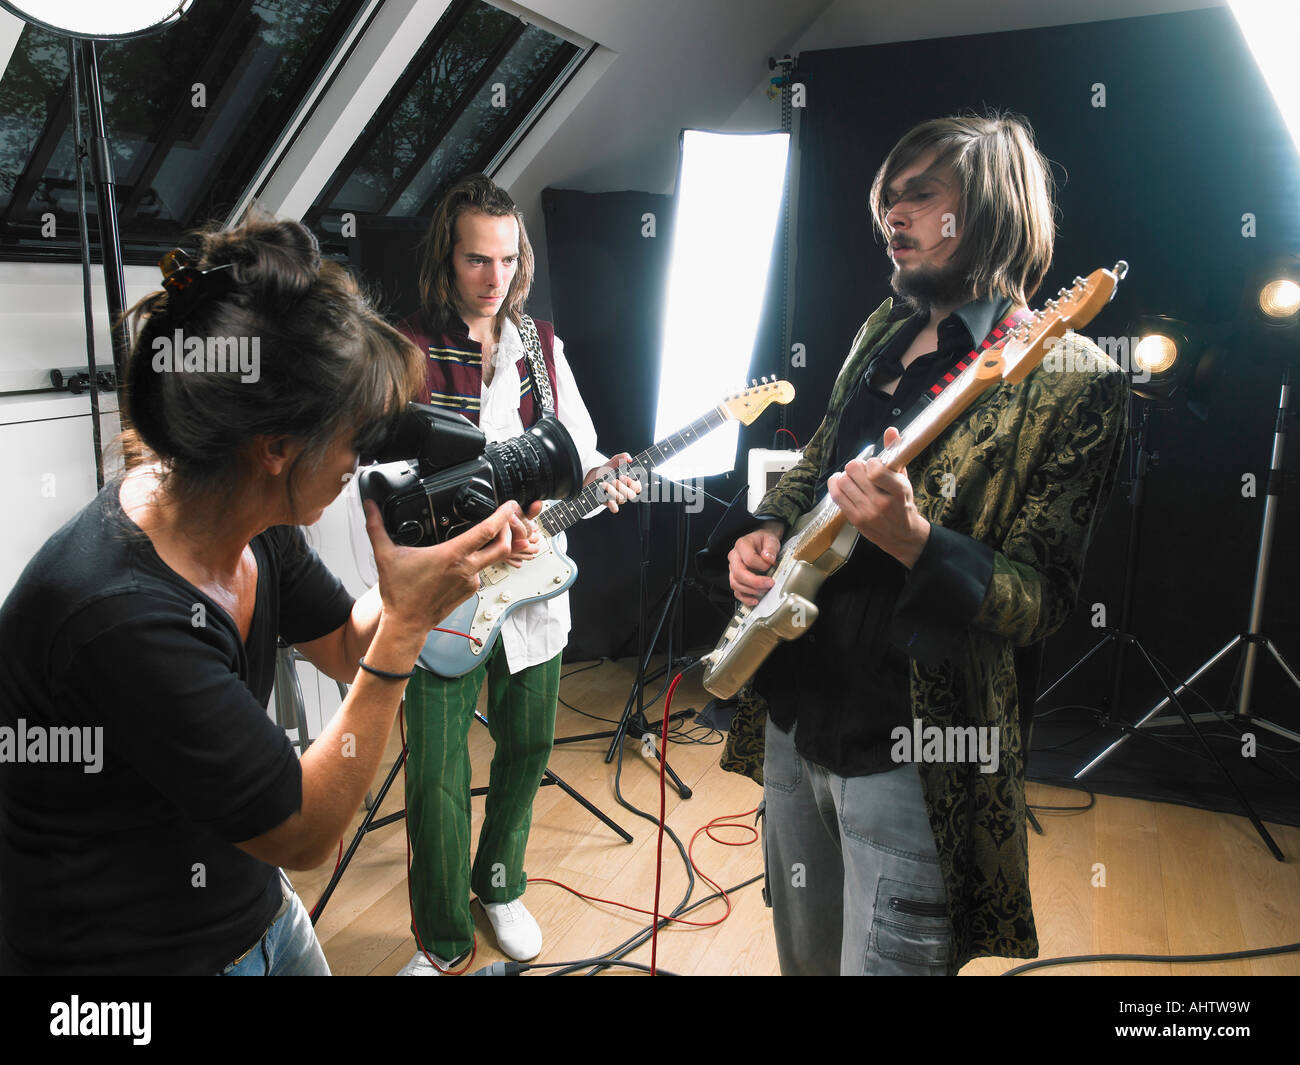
{"x": 313, "y": 602}
{"x": 175, "y": 711}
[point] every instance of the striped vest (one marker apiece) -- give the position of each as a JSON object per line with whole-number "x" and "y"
{"x": 453, "y": 368}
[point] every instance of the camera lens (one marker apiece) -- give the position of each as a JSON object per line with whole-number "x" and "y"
{"x": 540, "y": 464}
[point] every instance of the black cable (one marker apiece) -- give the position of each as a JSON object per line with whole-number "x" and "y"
{"x": 683, "y": 736}
{"x": 1063, "y": 743}
{"x": 639, "y": 938}
{"x": 583, "y": 669}
{"x": 1290, "y": 948}
{"x": 515, "y": 968}
{"x": 1092, "y": 801}
{"x": 594, "y": 717}
{"x": 1095, "y": 711}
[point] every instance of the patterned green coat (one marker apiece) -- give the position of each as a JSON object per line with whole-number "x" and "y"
{"x": 1013, "y": 490}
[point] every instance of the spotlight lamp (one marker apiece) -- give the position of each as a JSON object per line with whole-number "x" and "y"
{"x": 1279, "y": 301}
{"x": 1163, "y": 346}
{"x": 1156, "y": 353}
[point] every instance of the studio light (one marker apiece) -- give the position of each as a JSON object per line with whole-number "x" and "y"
{"x": 729, "y": 188}
{"x": 1156, "y": 353}
{"x": 113, "y": 21}
{"x": 1271, "y": 298}
{"x": 1163, "y": 346}
{"x": 1279, "y": 300}
{"x": 1271, "y": 29}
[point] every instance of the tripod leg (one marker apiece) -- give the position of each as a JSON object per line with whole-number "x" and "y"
{"x": 594, "y": 811}
{"x": 1171, "y": 696}
{"x": 362, "y": 829}
{"x": 1241, "y": 796}
{"x": 650, "y": 747}
{"x": 1282, "y": 662}
{"x": 1110, "y": 635}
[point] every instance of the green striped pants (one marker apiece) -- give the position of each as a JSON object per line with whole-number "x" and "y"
{"x": 439, "y": 713}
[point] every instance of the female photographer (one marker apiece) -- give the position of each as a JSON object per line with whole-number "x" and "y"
{"x": 146, "y": 628}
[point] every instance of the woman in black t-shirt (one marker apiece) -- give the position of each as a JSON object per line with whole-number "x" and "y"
{"x": 147, "y": 798}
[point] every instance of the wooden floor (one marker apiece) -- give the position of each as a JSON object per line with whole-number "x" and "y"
{"x": 1126, "y": 877}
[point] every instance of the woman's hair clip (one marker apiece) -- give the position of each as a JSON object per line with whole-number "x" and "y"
{"x": 186, "y": 284}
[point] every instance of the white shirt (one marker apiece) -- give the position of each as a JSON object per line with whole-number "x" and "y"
{"x": 535, "y": 633}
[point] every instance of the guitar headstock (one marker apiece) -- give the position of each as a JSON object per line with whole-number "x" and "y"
{"x": 747, "y": 405}
{"x": 1073, "y": 307}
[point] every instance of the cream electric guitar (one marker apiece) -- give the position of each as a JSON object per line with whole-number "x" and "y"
{"x": 504, "y": 588}
{"x": 823, "y": 538}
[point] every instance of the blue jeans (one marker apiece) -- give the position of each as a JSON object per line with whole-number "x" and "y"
{"x": 288, "y": 948}
{"x": 852, "y": 872}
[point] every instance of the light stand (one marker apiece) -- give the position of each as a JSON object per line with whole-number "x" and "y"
{"x": 83, "y": 25}
{"x": 1253, "y": 637}
{"x": 1122, "y": 639}
{"x": 83, "y": 233}
{"x": 633, "y": 723}
{"x": 1119, "y": 636}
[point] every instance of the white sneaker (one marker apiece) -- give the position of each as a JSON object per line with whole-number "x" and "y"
{"x": 518, "y": 934}
{"x": 421, "y": 966}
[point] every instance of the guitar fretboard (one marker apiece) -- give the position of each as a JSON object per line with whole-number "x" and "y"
{"x": 940, "y": 411}
{"x": 559, "y": 516}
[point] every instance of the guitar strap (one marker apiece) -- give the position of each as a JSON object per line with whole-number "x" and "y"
{"x": 935, "y": 390}
{"x": 537, "y": 365}
{"x": 999, "y": 331}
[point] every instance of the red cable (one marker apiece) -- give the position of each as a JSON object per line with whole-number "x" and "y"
{"x": 790, "y": 435}
{"x": 337, "y": 862}
{"x": 453, "y": 632}
{"x": 659, "y": 846}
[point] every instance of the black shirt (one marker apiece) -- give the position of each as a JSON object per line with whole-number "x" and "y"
{"x": 844, "y": 682}
{"x": 131, "y": 868}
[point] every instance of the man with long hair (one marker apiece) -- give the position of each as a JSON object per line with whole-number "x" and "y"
{"x": 489, "y": 361}
{"x": 883, "y": 859}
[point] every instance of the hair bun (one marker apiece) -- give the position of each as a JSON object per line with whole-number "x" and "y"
{"x": 276, "y": 262}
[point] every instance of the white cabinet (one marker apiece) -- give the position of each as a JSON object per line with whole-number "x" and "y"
{"x": 48, "y": 473}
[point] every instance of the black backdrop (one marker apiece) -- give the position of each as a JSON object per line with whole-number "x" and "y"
{"x": 1187, "y": 143}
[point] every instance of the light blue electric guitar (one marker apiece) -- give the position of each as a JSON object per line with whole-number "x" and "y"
{"x": 505, "y": 588}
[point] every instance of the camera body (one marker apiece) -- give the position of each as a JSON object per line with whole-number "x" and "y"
{"x": 437, "y": 474}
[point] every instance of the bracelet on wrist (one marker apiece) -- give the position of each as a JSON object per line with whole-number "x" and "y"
{"x": 384, "y": 673}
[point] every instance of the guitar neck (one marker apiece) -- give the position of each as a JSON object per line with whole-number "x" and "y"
{"x": 559, "y": 516}
{"x": 826, "y": 519}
